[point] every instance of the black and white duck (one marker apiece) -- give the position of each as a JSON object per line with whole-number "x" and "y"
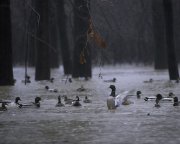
{"x": 76, "y": 102}
{"x": 114, "y": 101}
{"x": 50, "y": 89}
{"x": 59, "y": 104}
{"x": 165, "y": 99}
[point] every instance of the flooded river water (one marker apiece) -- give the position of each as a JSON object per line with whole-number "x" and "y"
{"x": 92, "y": 123}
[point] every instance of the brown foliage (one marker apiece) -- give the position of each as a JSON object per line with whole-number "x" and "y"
{"x": 82, "y": 58}
{"x": 95, "y": 36}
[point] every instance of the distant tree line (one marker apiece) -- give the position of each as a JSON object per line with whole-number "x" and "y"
{"x": 79, "y": 34}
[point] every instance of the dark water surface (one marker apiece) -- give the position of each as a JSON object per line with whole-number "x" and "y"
{"x": 92, "y": 123}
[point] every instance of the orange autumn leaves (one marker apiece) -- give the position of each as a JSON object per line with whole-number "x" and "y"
{"x": 94, "y": 36}
{"x": 82, "y": 58}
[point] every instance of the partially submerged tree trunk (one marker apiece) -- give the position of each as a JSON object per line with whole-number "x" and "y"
{"x": 53, "y": 35}
{"x": 160, "y": 58}
{"x": 82, "y": 52}
{"x": 65, "y": 52}
{"x": 172, "y": 63}
{"x": 6, "y": 69}
{"x": 42, "y": 48}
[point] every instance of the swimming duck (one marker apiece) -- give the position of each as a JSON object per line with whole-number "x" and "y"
{"x": 3, "y": 107}
{"x": 113, "y": 80}
{"x": 86, "y": 100}
{"x": 36, "y": 103}
{"x": 171, "y": 95}
{"x": 169, "y": 98}
{"x": 158, "y": 98}
{"x": 176, "y": 101}
{"x": 138, "y": 94}
{"x": 149, "y": 81}
{"x": 81, "y": 88}
{"x": 67, "y": 100}
{"x": 51, "y": 80}
{"x": 12, "y": 104}
{"x": 51, "y": 90}
{"x": 59, "y": 104}
{"x": 114, "y": 101}
{"x": 76, "y": 102}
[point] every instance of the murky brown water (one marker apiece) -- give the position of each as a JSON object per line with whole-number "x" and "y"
{"x": 91, "y": 123}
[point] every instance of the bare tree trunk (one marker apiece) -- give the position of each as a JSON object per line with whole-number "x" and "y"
{"x": 42, "y": 50}
{"x": 82, "y": 52}
{"x": 65, "y": 52}
{"x": 53, "y": 35}
{"x": 172, "y": 63}
{"x": 160, "y": 58}
{"x": 6, "y": 69}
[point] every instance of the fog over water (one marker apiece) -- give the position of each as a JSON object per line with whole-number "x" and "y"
{"x": 92, "y": 123}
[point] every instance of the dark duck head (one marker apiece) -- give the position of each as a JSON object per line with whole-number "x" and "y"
{"x": 113, "y": 90}
{"x": 138, "y": 94}
{"x": 176, "y": 101}
{"x": 76, "y": 102}
{"x": 47, "y": 87}
{"x": 158, "y": 98}
{"x": 17, "y": 99}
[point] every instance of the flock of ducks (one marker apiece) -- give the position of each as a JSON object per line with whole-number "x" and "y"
{"x": 16, "y": 103}
{"x": 73, "y": 102}
{"x": 114, "y": 101}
